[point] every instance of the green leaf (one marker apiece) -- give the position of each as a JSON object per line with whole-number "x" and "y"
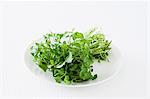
{"x": 94, "y": 77}
{"x": 52, "y": 62}
{"x": 43, "y": 66}
{"x": 85, "y": 75}
{"x": 58, "y": 79}
{"x": 66, "y": 79}
{"x": 77, "y": 35}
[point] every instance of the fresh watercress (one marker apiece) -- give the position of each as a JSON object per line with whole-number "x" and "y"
{"x": 70, "y": 55}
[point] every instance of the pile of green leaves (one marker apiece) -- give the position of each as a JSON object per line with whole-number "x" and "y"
{"x": 70, "y": 55}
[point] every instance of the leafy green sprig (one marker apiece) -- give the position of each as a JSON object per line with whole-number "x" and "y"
{"x": 70, "y": 55}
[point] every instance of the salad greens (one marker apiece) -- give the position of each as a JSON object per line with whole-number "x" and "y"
{"x": 70, "y": 55}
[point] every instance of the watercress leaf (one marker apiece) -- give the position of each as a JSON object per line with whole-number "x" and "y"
{"x": 77, "y": 35}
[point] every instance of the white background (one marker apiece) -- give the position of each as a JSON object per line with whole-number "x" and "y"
{"x": 123, "y": 22}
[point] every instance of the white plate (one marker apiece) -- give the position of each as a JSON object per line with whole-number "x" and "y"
{"x": 104, "y": 70}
